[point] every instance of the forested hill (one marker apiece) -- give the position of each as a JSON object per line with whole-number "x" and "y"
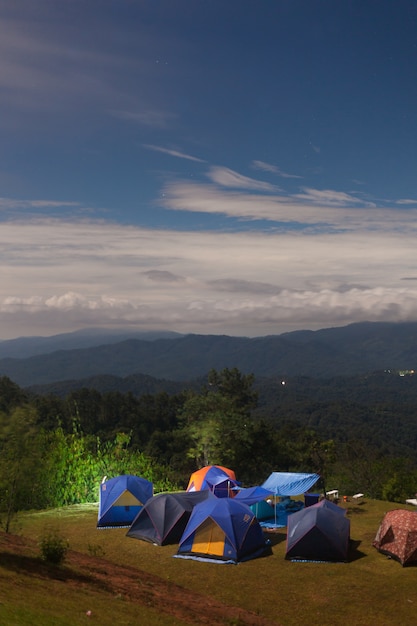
{"x": 347, "y": 351}
{"x": 374, "y": 389}
{"x": 374, "y": 415}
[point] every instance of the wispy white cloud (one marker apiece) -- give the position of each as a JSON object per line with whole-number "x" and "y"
{"x": 226, "y": 177}
{"x": 267, "y": 167}
{"x": 329, "y": 197}
{"x": 175, "y": 153}
{"x": 315, "y": 148}
{"x": 51, "y": 65}
{"x": 147, "y": 117}
{"x": 406, "y": 201}
{"x": 310, "y": 209}
{"x": 41, "y": 72}
{"x": 12, "y": 204}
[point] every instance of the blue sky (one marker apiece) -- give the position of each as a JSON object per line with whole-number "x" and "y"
{"x": 242, "y": 168}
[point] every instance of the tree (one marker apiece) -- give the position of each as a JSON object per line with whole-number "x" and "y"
{"x": 401, "y": 482}
{"x": 218, "y": 421}
{"x": 236, "y": 386}
{"x": 313, "y": 453}
{"x": 204, "y": 418}
{"x": 360, "y": 466}
{"x": 11, "y": 395}
{"x": 20, "y": 460}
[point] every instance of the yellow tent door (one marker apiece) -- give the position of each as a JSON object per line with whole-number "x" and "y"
{"x": 126, "y": 499}
{"x": 209, "y": 539}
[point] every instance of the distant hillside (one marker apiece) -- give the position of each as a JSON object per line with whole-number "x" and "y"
{"x": 377, "y": 388}
{"x": 137, "y": 384}
{"x": 347, "y": 351}
{"x": 24, "y": 347}
{"x": 378, "y": 409}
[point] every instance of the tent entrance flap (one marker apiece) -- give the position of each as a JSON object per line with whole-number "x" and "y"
{"x": 209, "y": 539}
{"x": 127, "y": 499}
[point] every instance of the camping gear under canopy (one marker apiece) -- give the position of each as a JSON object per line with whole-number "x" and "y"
{"x": 289, "y": 483}
{"x": 264, "y": 511}
{"x": 222, "y": 530}
{"x": 397, "y": 536}
{"x": 276, "y": 515}
{"x": 121, "y": 499}
{"x": 164, "y": 517}
{"x": 251, "y": 495}
{"x": 216, "y": 478}
{"x": 320, "y": 532}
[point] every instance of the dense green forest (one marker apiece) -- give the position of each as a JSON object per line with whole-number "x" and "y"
{"x": 55, "y": 450}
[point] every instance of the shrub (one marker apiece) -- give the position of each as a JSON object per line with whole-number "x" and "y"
{"x": 53, "y": 547}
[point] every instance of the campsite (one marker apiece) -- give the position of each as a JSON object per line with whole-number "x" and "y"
{"x": 126, "y": 581}
{"x": 108, "y": 577}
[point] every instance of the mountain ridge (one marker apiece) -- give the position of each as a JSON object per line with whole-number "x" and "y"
{"x": 343, "y": 351}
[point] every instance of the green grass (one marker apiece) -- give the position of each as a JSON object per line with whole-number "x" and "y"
{"x": 369, "y": 589}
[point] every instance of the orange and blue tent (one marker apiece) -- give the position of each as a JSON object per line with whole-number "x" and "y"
{"x": 216, "y": 478}
{"x": 121, "y": 499}
{"x": 222, "y": 530}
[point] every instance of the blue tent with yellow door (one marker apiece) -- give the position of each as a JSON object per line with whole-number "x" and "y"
{"x": 121, "y": 499}
{"x": 222, "y": 530}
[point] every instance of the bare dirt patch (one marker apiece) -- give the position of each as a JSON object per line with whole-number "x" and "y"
{"x": 134, "y": 585}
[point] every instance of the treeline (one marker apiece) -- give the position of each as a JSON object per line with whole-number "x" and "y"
{"x": 54, "y": 451}
{"x": 379, "y": 408}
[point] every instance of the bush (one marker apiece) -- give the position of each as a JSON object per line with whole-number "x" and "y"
{"x": 53, "y": 547}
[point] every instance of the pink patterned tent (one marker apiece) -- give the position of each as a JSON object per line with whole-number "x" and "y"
{"x": 397, "y": 536}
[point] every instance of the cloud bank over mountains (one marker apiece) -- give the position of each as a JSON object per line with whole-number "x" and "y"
{"x": 60, "y": 274}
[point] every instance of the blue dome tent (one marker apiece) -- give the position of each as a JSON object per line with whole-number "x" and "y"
{"x": 320, "y": 532}
{"x": 222, "y": 530}
{"x": 121, "y": 499}
{"x": 164, "y": 517}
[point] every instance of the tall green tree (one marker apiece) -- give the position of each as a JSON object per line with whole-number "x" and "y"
{"x": 218, "y": 420}
{"x": 20, "y": 462}
{"x": 235, "y": 386}
{"x": 11, "y": 395}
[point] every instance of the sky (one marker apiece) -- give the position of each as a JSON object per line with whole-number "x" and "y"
{"x": 207, "y": 166}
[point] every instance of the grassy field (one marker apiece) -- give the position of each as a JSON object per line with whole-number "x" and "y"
{"x": 369, "y": 589}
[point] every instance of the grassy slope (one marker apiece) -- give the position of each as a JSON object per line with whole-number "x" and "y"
{"x": 369, "y": 589}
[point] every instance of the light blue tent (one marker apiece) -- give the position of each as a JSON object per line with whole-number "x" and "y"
{"x": 121, "y": 499}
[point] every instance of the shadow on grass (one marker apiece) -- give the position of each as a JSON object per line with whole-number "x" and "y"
{"x": 354, "y": 553}
{"x": 275, "y": 539}
{"x": 355, "y": 510}
{"x": 35, "y": 566}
